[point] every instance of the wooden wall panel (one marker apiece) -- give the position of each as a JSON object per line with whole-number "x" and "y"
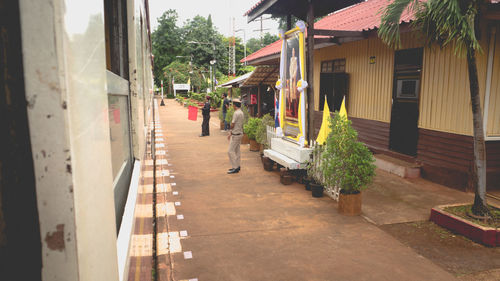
{"x": 447, "y": 159}
{"x": 444, "y": 94}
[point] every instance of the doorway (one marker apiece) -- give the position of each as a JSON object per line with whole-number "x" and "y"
{"x": 405, "y": 101}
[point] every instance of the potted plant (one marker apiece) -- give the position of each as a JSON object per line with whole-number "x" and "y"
{"x": 250, "y": 128}
{"x": 314, "y": 181}
{"x": 261, "y": 135}
{"x": 261, "y": 138}
{"x": 285, "y": 176}
{"x": 346, "y": 163}
{"x": 245, "y": 139}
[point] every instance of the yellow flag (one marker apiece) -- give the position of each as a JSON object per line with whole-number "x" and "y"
{"x": 324, "y": 131}
{"x": 343, "y": 111}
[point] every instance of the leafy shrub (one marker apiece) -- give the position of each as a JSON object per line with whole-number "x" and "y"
{"x": 229, "y": 114}
{"x": 346, "y": 162}
{"x": 261, "y": 135}
{"x": 246, "y": 114}
{"x": 198, "y": 97}
{"x": 250, "y": 128}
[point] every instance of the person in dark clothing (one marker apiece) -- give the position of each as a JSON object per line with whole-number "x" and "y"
{"x": 205, "y": 111}
{"x": 225, "y": 106}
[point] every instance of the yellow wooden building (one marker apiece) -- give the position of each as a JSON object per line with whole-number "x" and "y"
{"x": 412, "y": 103}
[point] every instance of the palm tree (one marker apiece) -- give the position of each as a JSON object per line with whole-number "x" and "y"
{"x": 448, "y": 22}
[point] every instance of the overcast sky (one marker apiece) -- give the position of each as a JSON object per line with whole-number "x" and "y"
{"x": 221, "y": 11}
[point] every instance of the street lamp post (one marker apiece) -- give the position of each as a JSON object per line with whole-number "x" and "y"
{"x": 212, "y": 62}
{"x": 162, "y": 102}
{"x": 244, "y": 44}
{"x": 190, "y": 65}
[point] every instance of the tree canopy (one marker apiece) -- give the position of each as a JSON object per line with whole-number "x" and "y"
{"x": 190, "y": 47}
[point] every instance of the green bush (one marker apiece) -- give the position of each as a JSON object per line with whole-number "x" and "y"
{"x": 229, "y": 114}
{"x": 221, "y": 114}
{"x": 215, "y": 99}
{"x": 346, "y": 162}
{"x": 198, "y": 97}
{"x": 246, "y": 114}
{"x": 261, "y": 135}
{"x": 250, "y": 128}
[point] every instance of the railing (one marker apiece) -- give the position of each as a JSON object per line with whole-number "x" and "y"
{"x": 271, "y": 133}
{"x": 331, "y": 191}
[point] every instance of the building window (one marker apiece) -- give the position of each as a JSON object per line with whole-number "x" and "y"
{"x": 333, "y": 66}
{"x": 115, "y": 18}
{"x": 334, "y": 84}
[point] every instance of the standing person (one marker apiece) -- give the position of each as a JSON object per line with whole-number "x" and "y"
{"x": 205, "y": 111}
{"x": 235, "y": 136}
{"x": 225, "y": 107}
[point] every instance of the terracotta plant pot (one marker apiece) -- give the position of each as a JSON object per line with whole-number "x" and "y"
{"x": 317, "y": 190}
{"x": 268, "y": 163}
{"x": 261, "y": 148}
{"x": 254, "y": 145}
{"x": 286, "y": 178}
{"x": 244, "y": 139}
{"x": 350, "y": 204}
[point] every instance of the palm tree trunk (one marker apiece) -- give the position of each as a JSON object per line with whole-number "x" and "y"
{"x": 479, "y": 168}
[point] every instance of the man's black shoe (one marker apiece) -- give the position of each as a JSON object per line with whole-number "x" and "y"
{"x": 233, "y": 171}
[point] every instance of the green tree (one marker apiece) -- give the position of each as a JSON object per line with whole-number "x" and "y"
{"x": 448, "y": 22}
{"x": 282, "y": 24}
{"x": 167, "y": 43}
{"x": 255, "y": 44}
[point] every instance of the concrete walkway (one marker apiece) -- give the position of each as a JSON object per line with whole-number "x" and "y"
{"x": 248, "y": 226}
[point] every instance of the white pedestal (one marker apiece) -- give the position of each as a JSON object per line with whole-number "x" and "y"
{"x": 291, "y": 150}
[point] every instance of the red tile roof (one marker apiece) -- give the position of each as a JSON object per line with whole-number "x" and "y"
{"x": 360, "y": 17}
{"x": 253, "y": 7}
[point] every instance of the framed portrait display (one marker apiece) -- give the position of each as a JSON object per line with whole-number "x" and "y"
{"x": 292, "y": 85}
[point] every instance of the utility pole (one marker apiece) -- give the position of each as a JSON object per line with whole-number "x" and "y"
{"x": 261, "y": 29}
{"x": 232, "y": 52}
{"x": 244, "y": 44}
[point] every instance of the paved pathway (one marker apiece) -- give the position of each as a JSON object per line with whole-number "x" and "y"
{"x": 248, "y": 226}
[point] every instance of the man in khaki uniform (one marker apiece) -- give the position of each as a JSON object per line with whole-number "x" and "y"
{"x": 235, "y": 136}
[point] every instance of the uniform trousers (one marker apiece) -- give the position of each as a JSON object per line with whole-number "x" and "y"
{"x": 234, "y": 151}
{"x": 205, "y": 127}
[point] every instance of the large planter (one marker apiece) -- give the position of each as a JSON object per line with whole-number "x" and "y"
{"x": 316, "y": 189}
{"x": 254, "y": 145}
{"x": 261, "y": 148}
{"x": 285, "y": 177}
{"x": 350, "y": 204}
{"x": 244, "y": 139}
{"x": 485, "y": 235}
{"x": 268, "y": 163}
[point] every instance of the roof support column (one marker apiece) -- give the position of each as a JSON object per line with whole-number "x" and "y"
{"x": 259, "y": 101}
{"x": 310, "y": 69}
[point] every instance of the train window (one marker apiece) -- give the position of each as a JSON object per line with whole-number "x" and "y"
{"x": 115, "y": 18}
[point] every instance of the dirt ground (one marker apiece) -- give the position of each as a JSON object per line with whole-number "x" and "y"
{"x": 458, "y": 255}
